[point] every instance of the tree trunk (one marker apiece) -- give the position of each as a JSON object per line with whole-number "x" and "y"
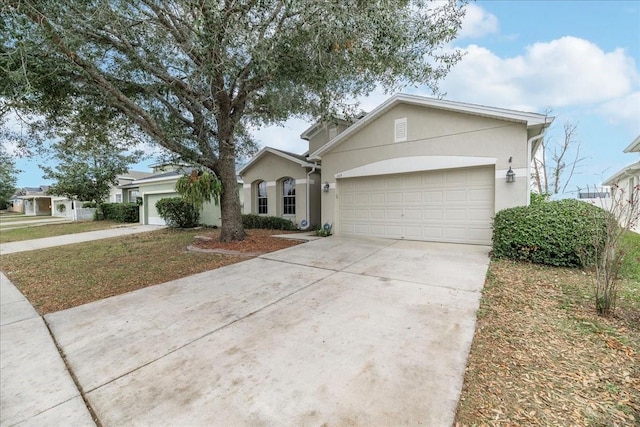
{"x": 232, "y": 229}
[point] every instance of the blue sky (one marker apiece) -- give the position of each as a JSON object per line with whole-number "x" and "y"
{"x": 578, "y": 58}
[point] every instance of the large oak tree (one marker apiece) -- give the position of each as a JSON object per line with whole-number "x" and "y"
{"x": 197, "y": 75}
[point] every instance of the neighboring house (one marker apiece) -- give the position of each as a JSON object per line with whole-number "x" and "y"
{"x": 414, "y": 168}
{"x": 123, "y": 191}
{"x": 162, "y": 185}
{"x": 33, "y": 201}
{"x": 628, "y": 177}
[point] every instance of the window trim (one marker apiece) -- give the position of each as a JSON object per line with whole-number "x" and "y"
{"x": 262, "y": 202}
{"x": 288, "y": 200}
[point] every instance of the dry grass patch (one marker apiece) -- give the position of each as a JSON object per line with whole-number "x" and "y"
{"x": 66, "y": 276}
{"x": 39, "y": 231}
{"x": 541, "y": 356}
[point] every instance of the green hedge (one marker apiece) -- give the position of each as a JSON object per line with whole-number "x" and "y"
{"x": 121, "y": 212}
{"x": 178, "y": 213}
{"x": 558, "y": 233}
{"x": 269, "y": 222}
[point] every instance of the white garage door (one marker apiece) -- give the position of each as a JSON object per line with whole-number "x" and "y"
{"x": 453, "y": 205}
{"x": 153, "y": 218}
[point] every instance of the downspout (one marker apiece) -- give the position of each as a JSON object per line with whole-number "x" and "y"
{"x": 313, "y": 169}
{"x": 530, "y": 142}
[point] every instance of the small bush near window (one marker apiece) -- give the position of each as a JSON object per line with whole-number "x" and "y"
{"x": 121, "y": 212}
{"x": 325, "y": 231}
{"x": 558, "y": 233}
{"x": 269, "y": 222}
{"x": 177, "y": 212}
{"x": 89, "y": 204}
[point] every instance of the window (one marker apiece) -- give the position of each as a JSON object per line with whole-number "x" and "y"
{"x": 133, "y": 194}
{"x": 262, "y": 197}
{"x": 118, "y": 198}
{"x": 289, "y": 196}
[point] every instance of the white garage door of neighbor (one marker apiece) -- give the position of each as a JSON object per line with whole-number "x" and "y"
{"x": 153, "y": 218}
{"x": 454, "y": 205}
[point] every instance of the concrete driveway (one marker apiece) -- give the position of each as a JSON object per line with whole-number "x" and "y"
{"x": 337, "y": 331}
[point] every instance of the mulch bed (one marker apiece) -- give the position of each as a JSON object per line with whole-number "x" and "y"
{"x": 256, "y": 242}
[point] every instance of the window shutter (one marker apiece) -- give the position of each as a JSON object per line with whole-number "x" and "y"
{"x": 400, "y": 131}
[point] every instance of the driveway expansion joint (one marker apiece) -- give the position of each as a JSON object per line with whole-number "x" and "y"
{"x": 73, "y": 376}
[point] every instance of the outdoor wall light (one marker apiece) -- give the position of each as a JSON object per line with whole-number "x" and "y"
{"x": 325, "y": 188}
{"x": 511, "y": 175}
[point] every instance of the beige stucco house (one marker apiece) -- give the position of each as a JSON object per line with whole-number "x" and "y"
{"x": 279, "y": 183}
{"x": 414, "y": 168}
{"x": 161, "y": 183}
{"x": 123, "y": 191}
{"x": 628, "y": 177}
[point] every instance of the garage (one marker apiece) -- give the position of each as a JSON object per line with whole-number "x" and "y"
{"x": 454, "y": 205}
{"x": 150, "y": 200}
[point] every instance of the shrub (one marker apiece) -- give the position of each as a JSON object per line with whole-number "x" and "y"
{"x": 177, "y": 212}
{"x": 539, "y": 198}
{"x": 89, "y": 204}
{"x": 269, "y": 222}
{"x": 121, "y": 212}
{"x": 558, "y": 233}
{"x": 324, "y": 231}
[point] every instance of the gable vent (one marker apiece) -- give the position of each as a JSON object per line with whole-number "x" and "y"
{"x": 400, "y": 133}
{"x": 333, "y": 132}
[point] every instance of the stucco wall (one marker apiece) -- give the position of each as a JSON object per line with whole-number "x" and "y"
{"x": 209, "y": 215}
{"x": 273, "y": 169}
{"x": 433, "y": 132}
{"x": 322, "y": 137}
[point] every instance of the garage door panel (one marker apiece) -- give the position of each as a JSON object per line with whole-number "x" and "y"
{"x": 451, "y": 206}
{"x": 412, "y": 196}
{"x": 413, "y": 214}
{"x": 456, "y": 215}
{"x": 433, "y": 180}
{"x": 433, "y": 214}
{"x": 456, "y": 196}
{"x": 432, "y": 233}
{"x": 393, "y": 231}
{"x": 361, "y": 214}
{"x": 378, "y": 198}
{"x": 433, "y": 196}
{"x": 480, "y": 194}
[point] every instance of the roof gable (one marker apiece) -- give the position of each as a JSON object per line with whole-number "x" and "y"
{"x": 634, "y": 147}
{"x": 530, "y": 119}
{"x": 296, "y": 158}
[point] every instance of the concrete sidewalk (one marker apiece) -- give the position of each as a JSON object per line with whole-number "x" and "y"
{"x": 35, "y": 387}
{"x": 68, "y": 239}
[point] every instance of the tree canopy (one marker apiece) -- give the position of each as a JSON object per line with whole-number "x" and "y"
{"x": 197, "y": 76}
{"x": 87, "y": 172}
{"x": 8, "y": 177}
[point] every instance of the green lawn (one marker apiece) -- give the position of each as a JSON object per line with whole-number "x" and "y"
{"x": 10, "y": 218}
{"x": 631, "y": 266}
{"x": 50, "y": 230}
{"x": 66, "y": 276}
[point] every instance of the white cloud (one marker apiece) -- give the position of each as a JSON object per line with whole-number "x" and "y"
{"x": 285, "y": 137}
{"x": 562, "y": 72}
{"x": 624, "y": 110}
{"x": 477, "y": 23}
